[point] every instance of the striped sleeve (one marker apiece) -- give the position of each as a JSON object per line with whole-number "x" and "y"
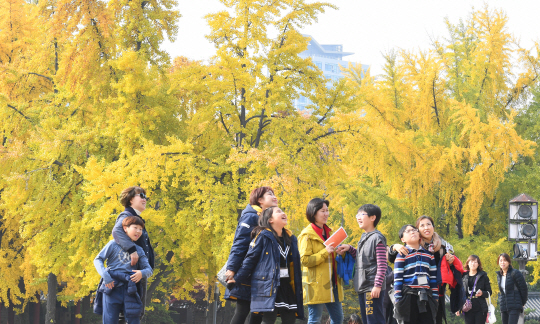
{"x": 399, "y": 264}
{"x": 433, "y": 277}
{"x": 352, "y": 251}
{"x": 382, "y": 263}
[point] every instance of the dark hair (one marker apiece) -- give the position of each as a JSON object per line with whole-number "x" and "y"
{"x": 403, "y": 229}
{"x": 354, "y": 319}
{"x": 371, "y": 210}
{"x": 132, "y": 220}
{"x": 313, "y": 206}
{"x": 128, "y": 194}
{"x": 472, "y": 257}
{"x": 422, "y": 218}
{"x": 258, "y": 193}
{"x": 265, "y": 224}
{"x": 507, "y": 258}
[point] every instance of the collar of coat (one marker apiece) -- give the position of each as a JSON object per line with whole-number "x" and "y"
{"x": 478, "y": 274}
{"x": 310, "y": 231}
{"x": 134, "y": 213}
{"x": 272, "y": 234}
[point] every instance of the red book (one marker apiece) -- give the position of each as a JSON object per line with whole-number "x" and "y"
{"x": 337, "y": 238}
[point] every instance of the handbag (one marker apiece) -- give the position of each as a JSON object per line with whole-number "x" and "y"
{"x": 98, "y": 299}
{"x": 468, "y": 303}
{"x": 221, "y": 275}
{"x": 491, "y": 318}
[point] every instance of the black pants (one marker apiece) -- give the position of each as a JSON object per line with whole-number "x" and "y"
{"x": 416, "y": 316}
{"x": 242, "y": 311}
{"x": 440, "y": 310}
{"x": 510, "y": 317}
{"x": 475, "y": 317}
{"x": 287, "y": 316}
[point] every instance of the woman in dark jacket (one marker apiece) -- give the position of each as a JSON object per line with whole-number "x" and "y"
{"x": 478, "y": 313}
{"x": 435, "y": 244}
{"x": 513, "y": 291}
{"x": 272, "y": 267}
{"x": 259, "y": 199}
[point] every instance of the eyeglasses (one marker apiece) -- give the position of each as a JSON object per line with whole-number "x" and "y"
{"x": 143, "y": 196}
{"x": 411, "y": 231}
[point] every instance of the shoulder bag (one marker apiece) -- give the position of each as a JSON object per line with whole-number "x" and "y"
{"x": 491, "y": 318}
{"x": 468, "y": 303}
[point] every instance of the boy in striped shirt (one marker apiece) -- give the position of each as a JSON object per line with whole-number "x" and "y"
{"x": 415, "y": 281}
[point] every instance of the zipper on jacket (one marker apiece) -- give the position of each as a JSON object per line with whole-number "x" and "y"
{"x": 331, "y": 283}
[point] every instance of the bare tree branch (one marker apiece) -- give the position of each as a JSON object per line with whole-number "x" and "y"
{"x": 223, "y": 123}
{"x": 20, "y": 113}
{"x": 41, "y": 75}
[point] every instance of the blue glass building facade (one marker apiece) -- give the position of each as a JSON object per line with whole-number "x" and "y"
{"x": 329, "y": 59}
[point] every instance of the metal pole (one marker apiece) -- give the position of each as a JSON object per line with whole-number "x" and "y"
{"x": 522, "y": 264}
{"x": 216, "y": 298}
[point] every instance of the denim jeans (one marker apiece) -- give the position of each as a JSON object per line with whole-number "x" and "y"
{"x": 334, "y": 310}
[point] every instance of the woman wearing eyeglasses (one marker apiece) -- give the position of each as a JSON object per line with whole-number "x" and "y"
{"x": 134, "y": 201}
{"x": 431, "y": 241}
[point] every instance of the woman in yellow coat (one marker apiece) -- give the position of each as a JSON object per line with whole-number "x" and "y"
{"x": 322, "y": 285}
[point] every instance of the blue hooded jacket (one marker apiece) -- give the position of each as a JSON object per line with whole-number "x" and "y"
{"x": 248, "y": 220}
{"x": 345, "y": 267}
{"x": 261, "y": 269}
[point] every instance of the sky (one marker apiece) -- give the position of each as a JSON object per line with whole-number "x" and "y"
{"x": 367, "y": 28}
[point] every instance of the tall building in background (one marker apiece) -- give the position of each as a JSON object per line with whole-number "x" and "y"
{"x": 328, "y": 58}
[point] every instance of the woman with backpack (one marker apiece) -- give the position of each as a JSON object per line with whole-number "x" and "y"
{"x": 513, "y": 291}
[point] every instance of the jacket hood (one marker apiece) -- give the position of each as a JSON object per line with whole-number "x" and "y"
{"x": 249, "y": 210}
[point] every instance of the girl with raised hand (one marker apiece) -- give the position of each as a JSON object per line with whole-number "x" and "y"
{"x": 272, "y": 268}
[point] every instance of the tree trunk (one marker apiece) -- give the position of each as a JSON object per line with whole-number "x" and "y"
{"x": 85, "y": 308}
{"x": 52, "y": 282}
{"x": 78, "y": 311}
{"x": 11, "y": 314}
{"x": 36, "y": 310}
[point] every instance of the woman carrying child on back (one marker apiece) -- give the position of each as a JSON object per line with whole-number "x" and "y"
{"x": 272, "y": 267}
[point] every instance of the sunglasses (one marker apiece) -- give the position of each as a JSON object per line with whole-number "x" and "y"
{"x": 143, "y": 196}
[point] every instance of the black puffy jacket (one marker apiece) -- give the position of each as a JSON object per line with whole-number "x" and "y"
{"x": 483, "y": 285}
{"x": 516, "y": 291}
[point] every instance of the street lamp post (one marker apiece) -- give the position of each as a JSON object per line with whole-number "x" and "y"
{"x": 523, "y": 228}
